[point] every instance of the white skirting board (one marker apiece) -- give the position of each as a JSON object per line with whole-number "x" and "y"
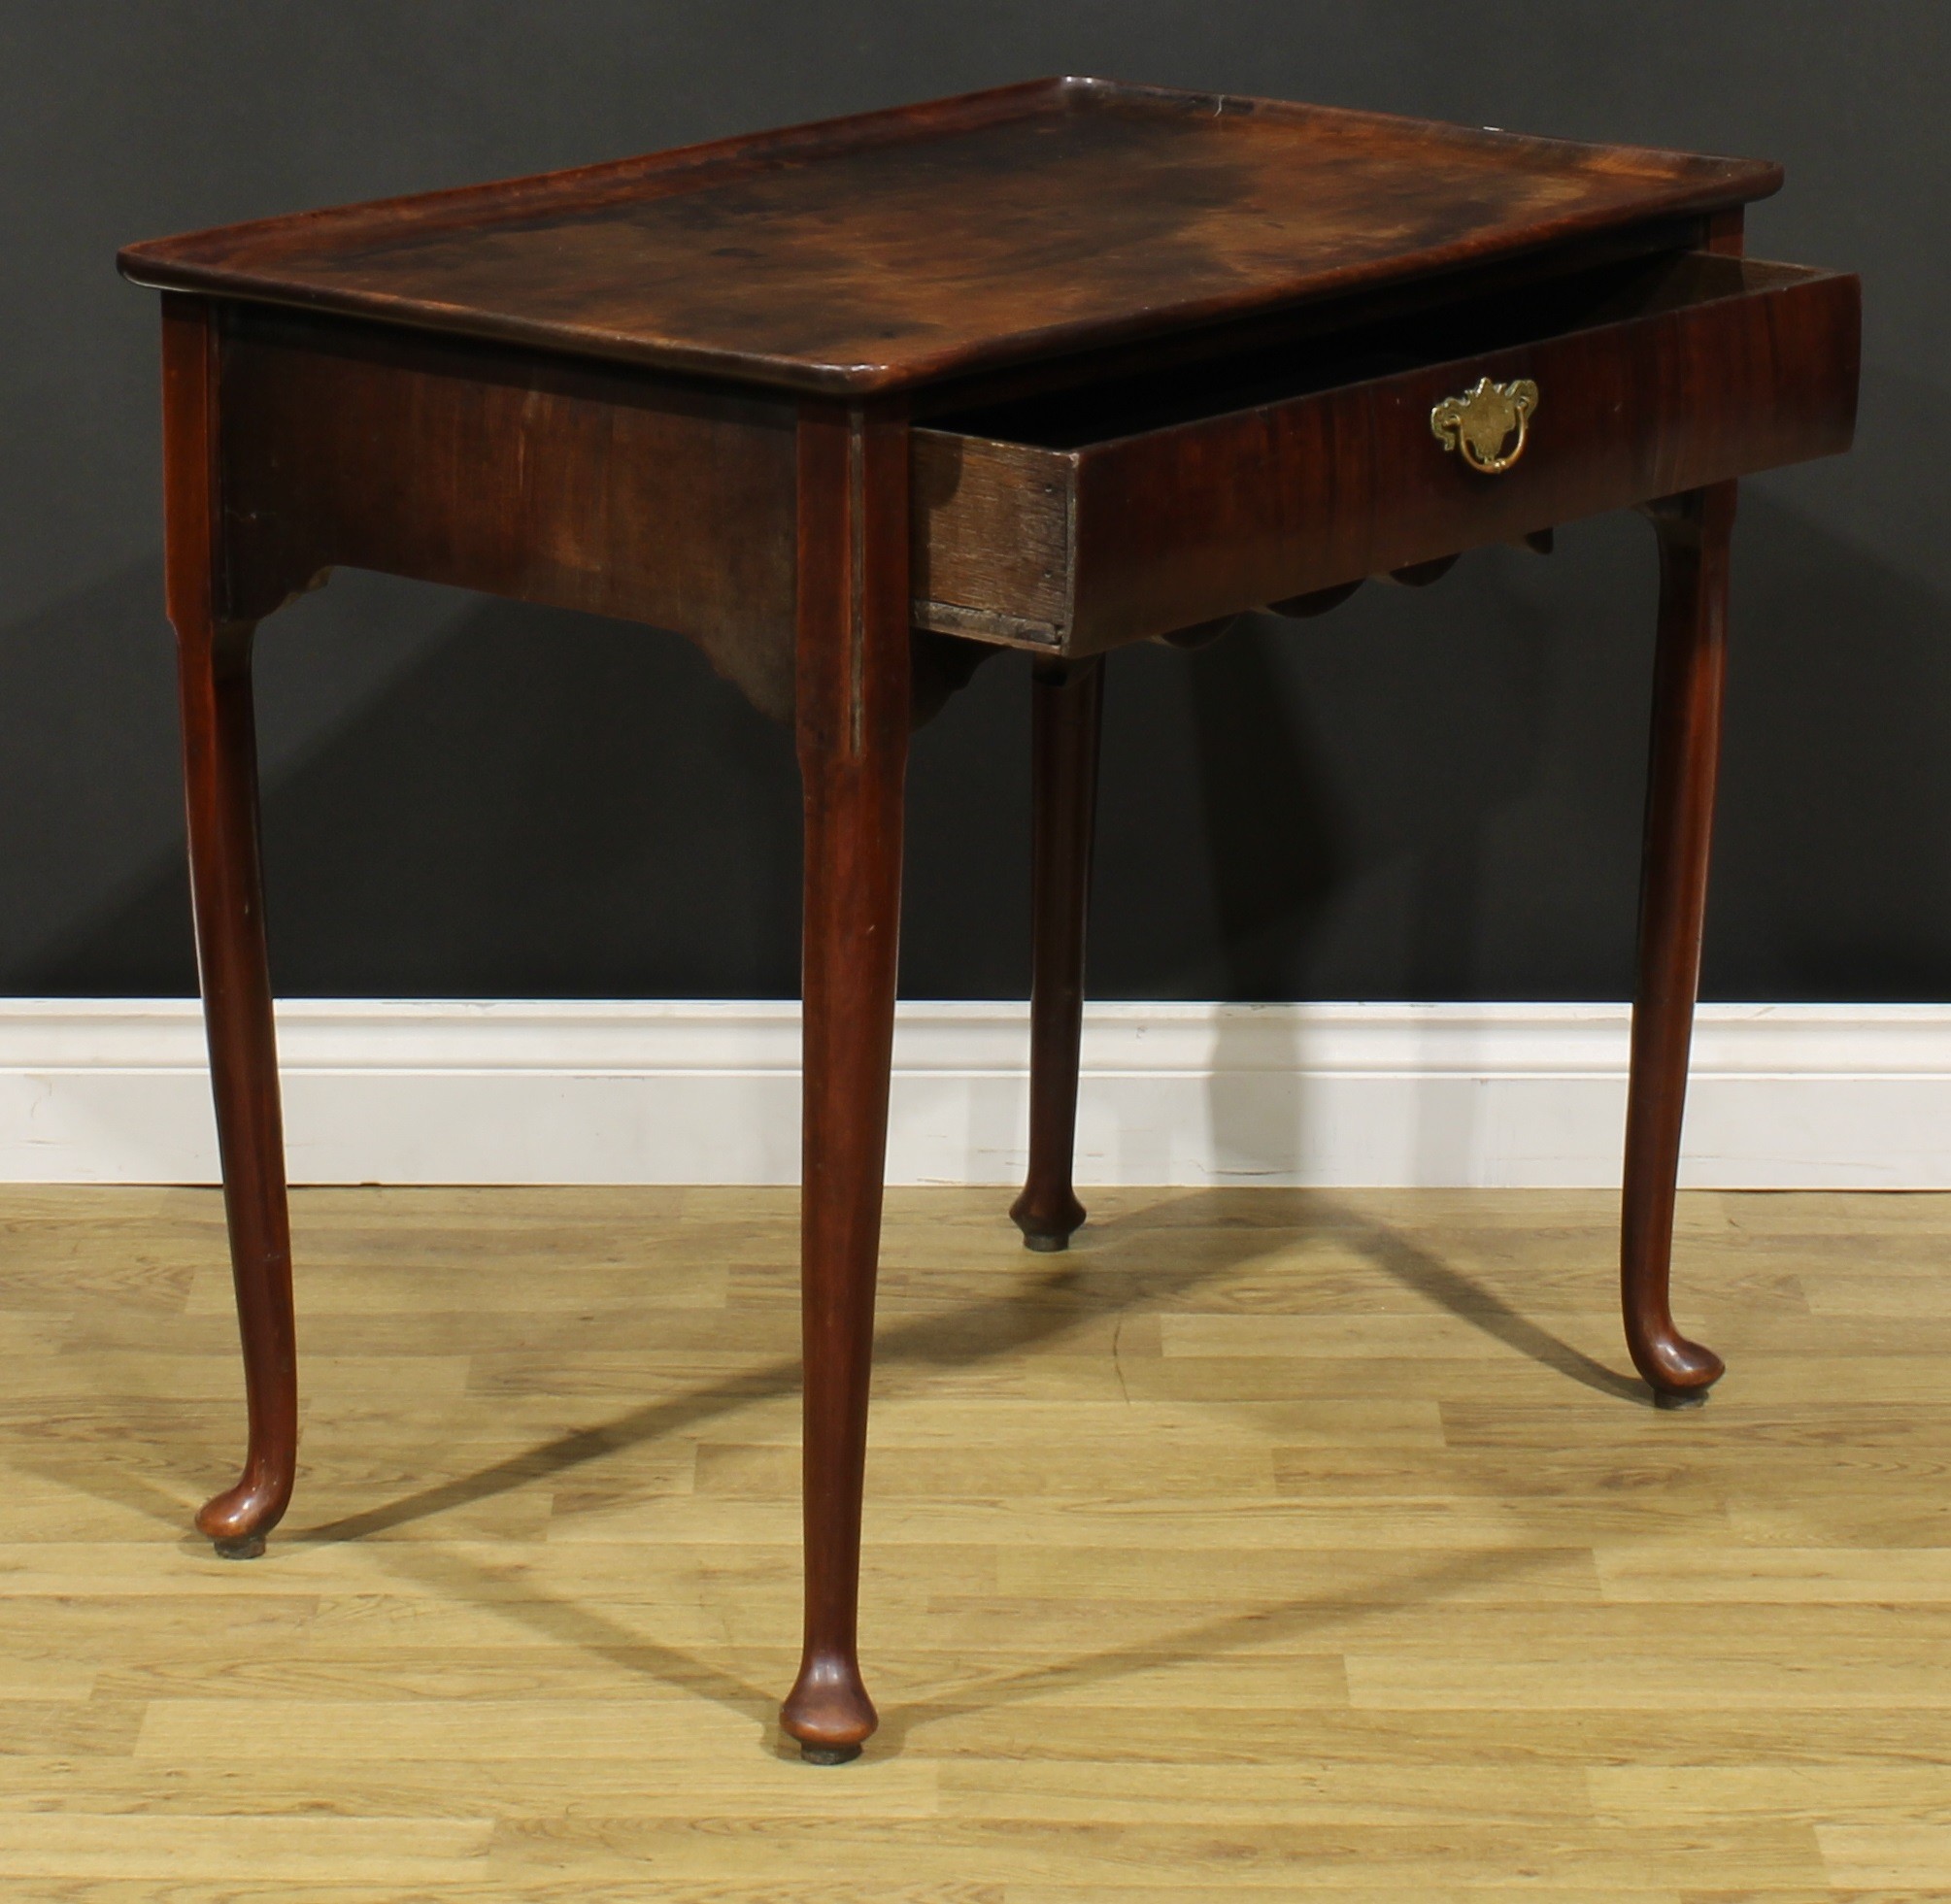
{"x": 513, "y": 1091}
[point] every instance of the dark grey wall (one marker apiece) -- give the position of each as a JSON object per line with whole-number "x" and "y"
{"x": 1427, "y": 795}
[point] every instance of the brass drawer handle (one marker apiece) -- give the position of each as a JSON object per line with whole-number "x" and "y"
{"x": 1480, "y": 422}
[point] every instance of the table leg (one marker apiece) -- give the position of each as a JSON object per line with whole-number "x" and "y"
{"x": 852, "y": 675}
{"x": 221, "y": 784}
{"x": 1688, "y": 670}
{"x": 1067, "y": 705}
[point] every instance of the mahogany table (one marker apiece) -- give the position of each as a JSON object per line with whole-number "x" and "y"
{"x": 1056, "y": 367}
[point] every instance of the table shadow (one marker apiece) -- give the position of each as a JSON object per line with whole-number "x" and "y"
{"x": 1104, "y": 1277}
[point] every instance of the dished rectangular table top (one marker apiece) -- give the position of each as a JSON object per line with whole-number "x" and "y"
{"x": 891, "y": 248}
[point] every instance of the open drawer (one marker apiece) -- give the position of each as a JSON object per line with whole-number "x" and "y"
{"x": 1079, "y": 520}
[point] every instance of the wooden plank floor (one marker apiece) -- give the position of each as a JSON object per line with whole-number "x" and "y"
{"x": 1271, "y": 1544}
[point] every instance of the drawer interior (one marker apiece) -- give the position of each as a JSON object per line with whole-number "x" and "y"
{"x": 1162, "y": 398}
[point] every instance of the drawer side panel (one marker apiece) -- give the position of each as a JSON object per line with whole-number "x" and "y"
{"x": 992, "y": 537}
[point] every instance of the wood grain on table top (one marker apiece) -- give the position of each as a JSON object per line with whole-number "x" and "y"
{"x": 885, "y": 249}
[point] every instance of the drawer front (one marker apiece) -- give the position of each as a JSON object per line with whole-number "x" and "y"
{"x": 1181, "y": 524}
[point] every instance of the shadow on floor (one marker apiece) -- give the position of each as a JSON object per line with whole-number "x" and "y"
{"x": 1115, "y": 1270}
{"x": 1099, "y": 1277}
{"x": 1037, "y": 1312}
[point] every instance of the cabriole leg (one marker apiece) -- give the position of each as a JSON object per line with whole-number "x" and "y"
{"x": 853, "y": 673}
{"x": 1067, "y": 710}
{"x": 228, "y": 889}
{"x": 1688, "y": 670}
